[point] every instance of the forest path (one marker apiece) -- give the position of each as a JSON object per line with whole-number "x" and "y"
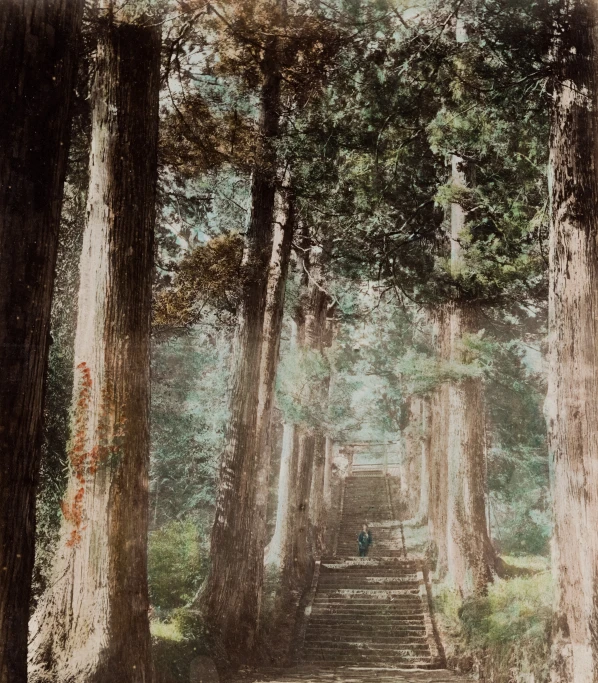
{"x": 372, "y": 611}
{"x": 369, "y": 620}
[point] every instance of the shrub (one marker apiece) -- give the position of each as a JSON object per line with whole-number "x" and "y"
{"x": 508, "y": 631}
{"x": 174, "y": 564}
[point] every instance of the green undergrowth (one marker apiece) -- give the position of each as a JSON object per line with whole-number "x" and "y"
{"x": 175, "y": 565}
{"x": 172, "y": 652}
{"x": 504, "y": 636}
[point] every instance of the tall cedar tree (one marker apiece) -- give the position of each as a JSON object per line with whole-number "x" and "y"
{"x": 38, "y": 54}
{"x": 572, "y": 401}
{"x": 92, "y": 624}
{"x": 230, "y": 595}
{"x": 470, "y": 557}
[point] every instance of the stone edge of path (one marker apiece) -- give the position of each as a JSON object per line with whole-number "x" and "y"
{"x": 432, "y": 634}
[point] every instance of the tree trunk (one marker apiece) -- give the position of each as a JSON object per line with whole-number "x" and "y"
{"x": 426, "y": 440}
{"x": 277, "y": 279}
{"x": 230, "y": 595}
{"x": 300, "y": 537}
{"x": 330, "y": 449}
{"x": 92, "y": 625}
{"x": 471, "y": 558}
{"x": 412, "y": 460}
{"x": 316, "y": 498}
{"x": 278, "y": 553}
{"x": 572, "y": 401}
{"x": 438, "y": 456}
{"x": 316, "y": 338}
{"x": 38, "y": 54}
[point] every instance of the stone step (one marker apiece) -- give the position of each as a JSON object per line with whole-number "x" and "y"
{"x": 405, "y": 621}
{"x": 389, "y": 643}
{"x": 336, "y": 634}
{"x": 400, "y": 660}
{"x": 384, "y": 666}
{"x": 377, "y": 606}
{"x": 377, "y": 649}
{"x": 389, "y": 594}
{"x": 366, "y": 570}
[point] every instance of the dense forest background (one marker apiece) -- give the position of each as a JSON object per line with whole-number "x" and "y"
{"x": 356, "y": 236}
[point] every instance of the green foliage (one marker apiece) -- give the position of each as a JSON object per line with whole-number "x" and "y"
{"x": 174, "y": 563}
{"x": 189, "y": 412}
{"x": 506, "y": 632}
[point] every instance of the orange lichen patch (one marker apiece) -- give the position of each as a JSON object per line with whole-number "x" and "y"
{"x": 85, "y": 461}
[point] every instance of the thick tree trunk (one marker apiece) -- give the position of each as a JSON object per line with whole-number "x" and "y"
{"x": 300, "y": 537}
{"x": 438, "y": 455}
{"x": 92, "y": 625}
{"x": 329, "y": 461}
{"x": 230, "y": 596}
{"x": 426, "y": 440}
{"x": 412, "y": 460}
{"x": 572, "y": 401}
{"x": 316, "y": 502}
{"x": 277, "y": 279}
{"x": 38, "y": 51}
{"x": 317, "y": 336}
{"x": 471, "y": 558}
{"x": 278, "y": 553}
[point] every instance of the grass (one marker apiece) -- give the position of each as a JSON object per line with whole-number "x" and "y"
{"x": 172, "y": 652}
{"x": 165, "y": 630}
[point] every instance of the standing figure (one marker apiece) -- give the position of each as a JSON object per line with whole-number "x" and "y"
{"x": 364, "y": 541}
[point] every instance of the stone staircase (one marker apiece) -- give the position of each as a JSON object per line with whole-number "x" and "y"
{"x": 370, "y": 612}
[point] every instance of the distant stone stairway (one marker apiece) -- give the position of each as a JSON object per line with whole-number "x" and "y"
{"x": 374, "y": 611}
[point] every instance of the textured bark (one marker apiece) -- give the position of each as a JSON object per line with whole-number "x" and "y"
{"x": 38, "y": 50}
{"x": 425, "y": 443}
{"x": 471, "y": 558}
{"x": 316, "y": 498}
{"x": 438, "y": 456}
{"x": 412, "y": 460}
{"x": 277, "y": 278}
{"x": 278, "y": 553}
{"x": 92, "y": 625}
{"x": 317, "y": 337}
{"x": 300, "y": 537}
{"x": 230, "y": 596}
{"x": 329, "y": 461}
{"x": 572, "y": 401}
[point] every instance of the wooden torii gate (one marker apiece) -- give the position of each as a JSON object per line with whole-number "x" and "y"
{"x": 386, "y": 463}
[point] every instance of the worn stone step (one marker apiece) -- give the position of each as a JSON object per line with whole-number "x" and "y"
{"x": 379, "y": 607}
{"x": 382, "y": 630}
{"x": 383, "y": 641}
{"x": 328, "y": 619}
{"x": 339, "y": 634}
{"x": 376, "y": 649}
{"x": 355, "y": 659}
{"x": 369, "y": 595}
{"x": 363, "y": 599}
